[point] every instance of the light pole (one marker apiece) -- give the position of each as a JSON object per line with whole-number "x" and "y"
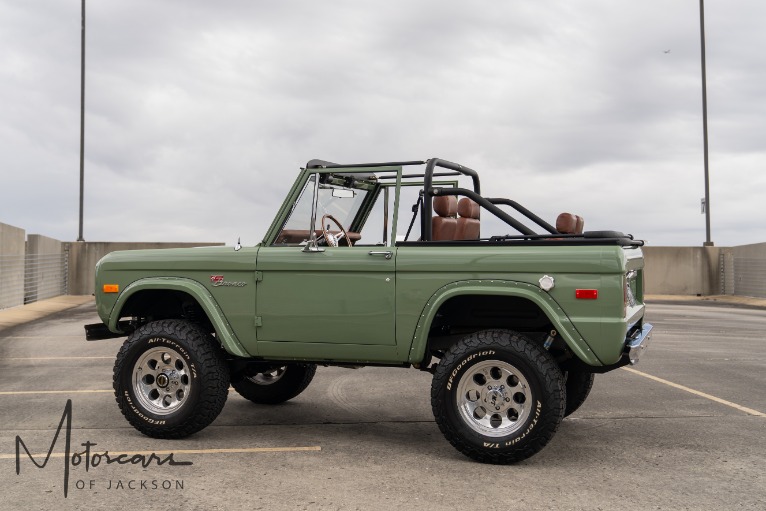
{"x": 82, "y": 120}
{"x": 708, "y": 242}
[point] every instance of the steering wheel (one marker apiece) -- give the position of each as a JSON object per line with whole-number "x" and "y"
{"x": 331, "y": 239}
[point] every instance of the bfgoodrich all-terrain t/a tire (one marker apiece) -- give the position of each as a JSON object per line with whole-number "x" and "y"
{"x": 277, "y": 386}
{"x": 497, "y": 396}
{"x": 170, "y": 379}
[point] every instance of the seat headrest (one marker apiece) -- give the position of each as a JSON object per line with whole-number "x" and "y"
{"x": 445, "y": 205}
{"x": 467, "y": 208}
{"x": 566, "y": 223}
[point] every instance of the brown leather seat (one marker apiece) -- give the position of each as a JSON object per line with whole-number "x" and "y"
{"x": 468, "y": 224}
{"x": 444, "y": 223}
{"x": 567, "y": 223}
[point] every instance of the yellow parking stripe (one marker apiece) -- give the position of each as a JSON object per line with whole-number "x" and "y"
{"x": 741, "y": 408}
{"x": 250, "y": 450}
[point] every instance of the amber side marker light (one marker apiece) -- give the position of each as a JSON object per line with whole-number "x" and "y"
{"x": 111, "y": 288}
{"x": 586, "y": 294}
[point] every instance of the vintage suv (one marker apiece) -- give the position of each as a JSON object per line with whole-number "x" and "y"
{"x": 513, "y": 326}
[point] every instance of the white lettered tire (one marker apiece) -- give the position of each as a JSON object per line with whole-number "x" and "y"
{"x": 497, "y": 396}
{"x": 170, "y": 379}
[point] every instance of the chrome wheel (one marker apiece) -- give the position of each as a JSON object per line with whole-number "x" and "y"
{"x": 494, "y": 398}
{"x": 161, "y": 380}
{"x": 269, "y": 377}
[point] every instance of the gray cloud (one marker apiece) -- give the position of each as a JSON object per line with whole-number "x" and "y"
{"x": 199, "y": 114}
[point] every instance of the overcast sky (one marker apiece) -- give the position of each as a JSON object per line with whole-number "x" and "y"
{"x": 199, "y": 114}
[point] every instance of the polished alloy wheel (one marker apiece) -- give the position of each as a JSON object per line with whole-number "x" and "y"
{"x": 161, "y": 380}
{"x": 494, "y": 398}
{"x": 269, "y": 377}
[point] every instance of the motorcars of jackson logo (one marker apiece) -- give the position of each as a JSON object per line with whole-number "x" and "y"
{"x": 91, "y": 459}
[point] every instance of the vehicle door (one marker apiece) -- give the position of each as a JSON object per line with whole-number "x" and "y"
{"x": 332, "y": 300}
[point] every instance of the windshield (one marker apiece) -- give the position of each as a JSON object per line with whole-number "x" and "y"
{"x": 341, "y": 202}
{"x": 345, "y": 197}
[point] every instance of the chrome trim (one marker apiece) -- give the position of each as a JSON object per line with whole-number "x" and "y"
{"x": 385, "y": 253}
{"x": 637, "y": 343}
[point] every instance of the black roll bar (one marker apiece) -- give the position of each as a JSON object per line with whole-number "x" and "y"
{"x": 425, "y": 221}
{"x": 321, "y": 164}
{"x": 524, "y": 211}
{"x": 430, "y": 192}
{"x": 486, "y": 204}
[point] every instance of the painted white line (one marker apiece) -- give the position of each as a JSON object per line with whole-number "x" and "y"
{"x": 56, "y": 358}
{"x": 81, "y": 337}
{"x": 741, "y": 408}
{"x": 23, "y": 392}
{"x": 20, "y": 392}
{"x": 114, "y": 454}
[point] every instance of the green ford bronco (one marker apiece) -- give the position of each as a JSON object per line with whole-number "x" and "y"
{"x": 366, "y": 264}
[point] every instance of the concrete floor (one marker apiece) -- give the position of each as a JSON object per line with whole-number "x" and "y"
{"x": 366, "y": 439}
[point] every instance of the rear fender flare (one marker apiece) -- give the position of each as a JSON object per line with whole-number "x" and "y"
{"x": 224, "y": 332}
{"x": 533, "y": 293}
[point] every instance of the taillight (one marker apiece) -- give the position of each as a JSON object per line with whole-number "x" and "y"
{"x": 629, "y": 297}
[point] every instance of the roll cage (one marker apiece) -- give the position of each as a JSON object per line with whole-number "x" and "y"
{"x": 432, "y": 189}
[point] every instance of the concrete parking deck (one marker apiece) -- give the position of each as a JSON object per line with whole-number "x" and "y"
{"x": 682, "y": 430}
{"x": 33, "y": 311}
{"x": 722, "y": 300}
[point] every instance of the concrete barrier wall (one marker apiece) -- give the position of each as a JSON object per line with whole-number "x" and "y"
{"x": 669, "y": 270}
{"x": 682, "y": 270}
{"x": 744, "y": 270}
{"x": 45, "y": 269}
{"x": 756, "y": 251}
{"x": 705, "y": 271}
{"x": 83, "y": 257}
{"x": 12, "y": 250}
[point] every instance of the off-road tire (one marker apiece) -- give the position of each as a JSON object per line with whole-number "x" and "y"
{"x": 578, "y": 386}
{"x": 524, "y": 414}
{"x": 278, "y": 386}
{"x": 189, "y": 363}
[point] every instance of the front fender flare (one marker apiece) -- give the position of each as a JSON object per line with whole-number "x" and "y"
{"x": 224, "y": 332}
{"x": 533, "y": 293}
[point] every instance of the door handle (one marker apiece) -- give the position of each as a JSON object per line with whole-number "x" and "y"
{"x": 386, "y": 253}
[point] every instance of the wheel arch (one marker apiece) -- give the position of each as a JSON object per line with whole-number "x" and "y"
{"x": 153, "y": 287}
{"x": 499, "y": 288}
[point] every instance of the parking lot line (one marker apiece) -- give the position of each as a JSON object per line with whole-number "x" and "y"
{"x": 20, "y": 392}
{"x": 55, "y": 358}
{"x": 248, "y": 450}
{"x": 741, "y": 408}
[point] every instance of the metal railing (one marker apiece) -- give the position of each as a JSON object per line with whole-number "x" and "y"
{"x": 27, "y": 279}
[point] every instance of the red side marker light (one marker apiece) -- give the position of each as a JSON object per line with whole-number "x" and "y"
{"x": 586, "y": 294}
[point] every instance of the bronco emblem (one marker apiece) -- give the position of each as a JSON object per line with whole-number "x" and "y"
{"x": 217, "y": 281}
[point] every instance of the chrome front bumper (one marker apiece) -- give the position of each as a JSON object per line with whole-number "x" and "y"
{"x": 636, "y": 343}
